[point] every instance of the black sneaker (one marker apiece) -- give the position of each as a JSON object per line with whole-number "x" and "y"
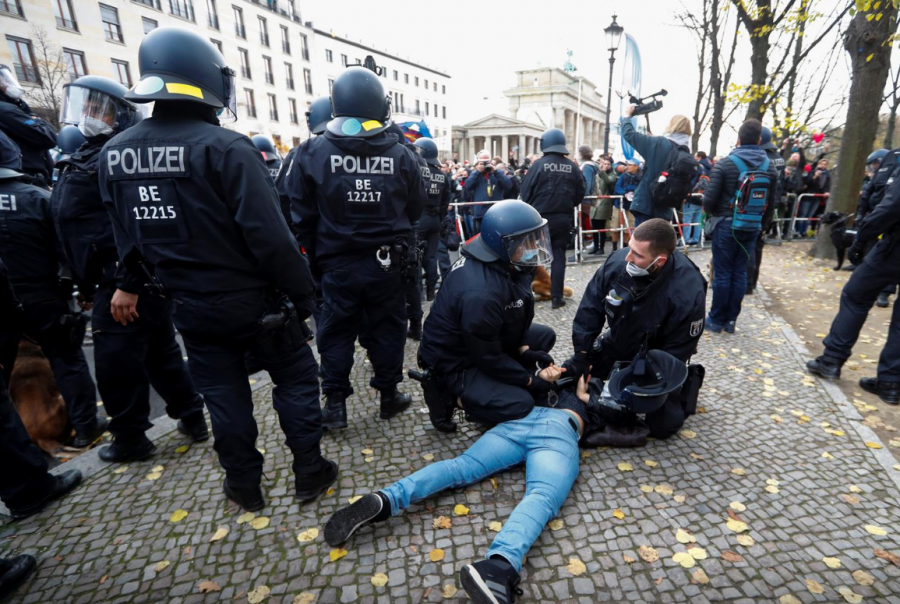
{"x": 889, "y": 392}
{"x": 194, "y": 425}
{"x": 492, "y": 581}
{"x": 373, "y": 507}
{"x": 88, "y": 437}
{"x": 823, "y": 367}
{"x": 249, "y": 498}
{"x": 393, "y": 402}
{"x": 131, "y": 449}
{"x": 14, "y": 572}
{"x": 57, "y": 486}
{"x": 310, "y": 486}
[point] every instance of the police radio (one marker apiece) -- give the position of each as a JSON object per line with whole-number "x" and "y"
{"x": 369, "y": 64}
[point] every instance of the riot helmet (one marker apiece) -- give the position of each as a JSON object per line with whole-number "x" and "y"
{"x": 645, "y": 384}
{"x": 428, "y": 150}
{"x": 97, "y": 106}
{"x": 358, "y": 103}
{"x": 9, "y": 83}
{"x": 266, "y": 147}
{"x": 319, "y": 115}
{"x": 765, "y": 142}
{"x": 177, "y": 64}
{"x": 554, "y": 141}
{"x": 10, "y": 158}
{"x": 513, "y": 232}
{"x": 69, "y": 139}
{"x": 876, "y": 156}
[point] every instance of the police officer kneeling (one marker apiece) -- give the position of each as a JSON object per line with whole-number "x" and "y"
{"x": 196, "y": 201}
{"x": 651, "y": 297}
{"x": 479, "y": 343}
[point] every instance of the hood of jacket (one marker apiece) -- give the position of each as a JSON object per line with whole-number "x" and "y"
{"x": 752, "y": 155}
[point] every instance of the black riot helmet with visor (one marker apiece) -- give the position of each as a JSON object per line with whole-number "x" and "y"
{"x": 9, "y": 83}
{"x": 97, "y": 106}
{"x": 513, "y": 232}
{"x": 178, "y": 64}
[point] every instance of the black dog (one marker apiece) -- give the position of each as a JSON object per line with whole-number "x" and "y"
{"x": 841, "y": 236}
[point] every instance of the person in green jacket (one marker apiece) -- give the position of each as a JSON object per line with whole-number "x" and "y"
{"x": 600, "y": 179}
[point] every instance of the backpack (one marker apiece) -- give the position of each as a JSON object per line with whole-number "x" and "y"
{"x": 752, "y": 196}
{"x": 673, "y": 185}
{"x": 702, "y": 183}
{"x": 596, "y": 185}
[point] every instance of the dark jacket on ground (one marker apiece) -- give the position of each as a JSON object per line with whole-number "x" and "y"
{"x": 655, "y": 151}
{"x": 493, "y": 187}
{"x": 723, "y": 181}
{"x": 480, "y": 318}
{"x": 554, "y": 185}
{"x": 34, "y": 136}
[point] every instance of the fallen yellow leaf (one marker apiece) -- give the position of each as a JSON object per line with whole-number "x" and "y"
{"x": 663, "y": 489}
{"x": 873, "y": 445}
{"x": 827, "y": 455}
{"x": 576, "y": 567}
{"x": 379, "y": 580}
{"x": 745, "y": 540}
{"x": 367, "y": 452}
{"x": 688, "y": 433}
{"x": 682, "y": 536}
{"x": 258, "y": 595}
{"x": 788, "y": 599}
{"x": 698, "y": 553}
{"x": 624, "y": 467}
{"x": 628, "y": 559}
{"x": 679, "y": 498}
{"x": 120, "y": 470}
{"x": 850, "y": 595}
{"x": 246, "y": 517}
{"x": 737, "y": 526}
{"x": 260, "y": 523}
{"x": 832, "y": 563}
{"x": 618, "y": 514}
{"x": 207, "y": 586}
{"x": 556, "y": 524}
{"x": 441, "y": 522}
{"x": 700, "y": 576}
{"x": 449, "y": 591}
{"x": 436, "y": 555}
{"x": 772, "y": 489}
{"x": 354, "y": 499}
{"x": 684, "y": 559}
{"x": 308, "y": 535}
{"x": 154, "y": 475}
{"x": 650, "y": 463}
{"x": 814, "y": 587}
{"x": 158, "y": 468}
{"x": 863, "y": 578}
{"x": 854, "y": 489}
{"x": 495, "y": 526}
{"x": 219, "y": 535}
{"x": 183, "y": 449}
{"x": 428, "y": 457}
{"x": 875, "y": 530}
{"x": 460, "y": 510}
{"x": 737, "y": 506}
{"x": 304, "y": 598}
{"x": 738, "y": 471}
{"x": 646, "y": 488}
{"x": 161, "y": 566}
{"x": 178, "y": 516}
{"x": 337, "y": 553}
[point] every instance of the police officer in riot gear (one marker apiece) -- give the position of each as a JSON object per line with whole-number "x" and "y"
{"x": 877, "y": 269}
{"x": 194, "y": 203}
{"x": 479, "y": 341}
{"x": 29, "y": 246}
{"x": 68, "y": 141}
{"x": 881, "y": 163}
{"x": 269, "y": 153}
{"x": 134, "y": 340}
{"x": 555, "y": 187}
{"x": 438, "y": 188}
{"x": 355, "y": 193}
{"x": 34, "y": 136}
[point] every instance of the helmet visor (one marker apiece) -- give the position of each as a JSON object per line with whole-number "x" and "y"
{"x": 228, "y": 113}
{"x": 79, "y": 103}
{"x": 529, "y": 249}
{"x": 8, "y": 78}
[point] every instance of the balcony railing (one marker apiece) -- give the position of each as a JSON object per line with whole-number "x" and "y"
{"x": 239, "y": 31}
{"x": 26, "y": 73}
{"x": 213, "y": 21}
{"x": 11, "y": 7}
{"x": 113, "y": 32}
{"x": 264, "y": 39}
{"x": 290, "y": 83}
{"x": 67, "y": 23}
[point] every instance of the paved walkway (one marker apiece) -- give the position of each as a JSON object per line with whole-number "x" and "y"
{"x": 777, "y": 456}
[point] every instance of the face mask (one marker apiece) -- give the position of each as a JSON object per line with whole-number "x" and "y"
{"x": 14, "y": 92}
{"x": 529, "y": 255}
{"x": 635, "y": 271}
{"x": 91, "y": 127}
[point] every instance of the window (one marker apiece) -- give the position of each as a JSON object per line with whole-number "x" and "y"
{"x": 427, "y": 107}
{"x": 239, "y": 30}
{"x": 123, "y": 74}
{"x": 263, "y": 31}
{"x": 23, "y": 59}
{"x": 426, "y": 84}
{"x": 212, "y": 14}
{"x": 329, "y": 56}
{"x": 418, "y": 109}
{"x": 307, "y": 81}
{"x": 12, "y": 7}
{"x": 402, "y": 103}
{"x": 417, "y": 81}
{"x": 443, "y": 89}
{"x": 396, "y": 75}
{"x": 273, "y": 108}
{"x": 217, "y": 43}
{"x": 65, "y": 18}
{"x": 445, "y": 112}
{"x": 289, "y": 75}
{"x": 330, "y": 84}
{"x": 406, "y": 78}
{"x": 182, "y": 8}
{"x": 250, "y": 102}
{"x": 285, "y": 40}
{"x": 292, "y": 105}
{"x": 111, "y": 27}
{"x": 150, "y": 3}
{"x": 267, "y": 63}
{"x": 74, "y": 63}
{"x": 245, "y": 63}
{"x": 304, "y": 47}
{"x": 149, "y": 25}
{"x": 344, "y": 60}
{"x": 435, "y": 86}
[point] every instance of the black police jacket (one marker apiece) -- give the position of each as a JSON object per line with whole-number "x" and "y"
{"x": 83, "y": 224}
{"x": 350, "y": 196}
{"x": 554, "y": 185}
{"x": 873, "y": 191}
{"x": 480, "y": 318}
{"x": 28, "y": 242}
{"x": 198, "y": 202}
{"x": 438, "y": 189}
{"x": 669, "y": 309}
{"x": 34, "y": 136}
{"x": 885, "y": 217}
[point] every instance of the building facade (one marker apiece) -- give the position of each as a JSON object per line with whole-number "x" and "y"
{"x": 499, "y": 135}
{"x": 279, "y": 70}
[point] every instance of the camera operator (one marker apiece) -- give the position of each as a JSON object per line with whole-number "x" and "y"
{"x": 487, "y": 184}
{"x": 657, "y": 152}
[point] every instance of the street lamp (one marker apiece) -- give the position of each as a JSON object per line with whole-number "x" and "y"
{"x": 613, "y": 38}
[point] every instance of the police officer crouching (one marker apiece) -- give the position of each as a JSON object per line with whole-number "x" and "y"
{"x": 196, "y": 201}
{"x": 355, "y": 193}
{"x": 479, "y": 343}
{"x": 134, "y": 340}
{"x": 438, "y": 189}
{"x": 269, "y": 153}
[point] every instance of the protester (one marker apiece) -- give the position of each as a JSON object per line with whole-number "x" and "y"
{"x": 629, "y": 178}
{"x": 487, "y": 184}
{"x": 693, "y": 206}
{"x": 602, "y": 208}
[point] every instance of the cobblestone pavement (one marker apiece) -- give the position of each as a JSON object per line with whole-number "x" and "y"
{"x": 788, "y": 451}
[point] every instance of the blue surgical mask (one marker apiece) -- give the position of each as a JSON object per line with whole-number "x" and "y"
{"x": 529, "y": 255}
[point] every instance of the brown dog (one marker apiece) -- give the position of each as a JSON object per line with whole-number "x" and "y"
{"x": 36, "y": 397}
{"x": 540, "y": 285}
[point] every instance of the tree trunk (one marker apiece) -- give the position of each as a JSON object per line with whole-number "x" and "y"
{"x": 889, "y": 133}
{"x": 797, "y": 58}
{"x": 759, "y": 59}
{"x": 867, "y": 43}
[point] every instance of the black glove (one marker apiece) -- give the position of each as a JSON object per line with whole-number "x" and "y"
{"x": 577, "y": 366}
{"x": 857, "y": 252}
{"x": 539, "y": 358}
{"x": 539, "y": 386}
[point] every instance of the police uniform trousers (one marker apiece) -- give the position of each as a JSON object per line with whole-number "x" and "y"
{"x": 560, "y": 226}
{"x": 66, "y": 357}
{"x": 879, "y": 269}
{"x": 490, "y": 401}
{"x": 24, "y": 473}
{"x": 443, "y": 259}
{"x": 130, "y": 358}
{"x": 430, "y": 232}
{"x": 413, "y": 289}
{"x": 361, "y": 296}
{"x": 218, "y": 329}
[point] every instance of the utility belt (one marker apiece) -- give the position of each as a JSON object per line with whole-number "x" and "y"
{"x": 432, "y": 211}
{"x": 400, "y": 256}
{"x": 280, "y": 330}
{"x": 139, "y": 268}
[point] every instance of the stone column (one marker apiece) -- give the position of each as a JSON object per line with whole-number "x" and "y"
{"x": 505, "y": 148}
{"x": 522, "y": 150}
{"x": 589, "y": 134}
{"x": 559, "y": 118}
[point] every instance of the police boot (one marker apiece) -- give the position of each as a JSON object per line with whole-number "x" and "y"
{"x": 558, "y": 303}
{"x": 882, "y": 301}
{"x": 889, "y": 392}
{"x": 440, "y": 407}
{"x": 310, "y": 486}
{"x": 85, "y": 438}
{"x": 824, "y": 367}
{"x": 415, "y": 330}
{"x": 194, "y": 425}
{"x": 334, "y": 414}
{"x": 132, "y": 448}
{"x": 393, "y": 402}
{"x": 249, "y": 498}
{"x": 14, "y": 572}
{"x": 56, "y": 486}
{"x": 429, "y": 294}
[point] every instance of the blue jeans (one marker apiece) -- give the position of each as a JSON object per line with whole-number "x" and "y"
{"x": 548, "y": 445}
{"x": 691, "y": 213}
{"x": 731, "y": 251}
{"x": 807, "y": 209}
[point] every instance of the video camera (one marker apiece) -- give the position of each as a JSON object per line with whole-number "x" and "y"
{"x": 643, "y": 107}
